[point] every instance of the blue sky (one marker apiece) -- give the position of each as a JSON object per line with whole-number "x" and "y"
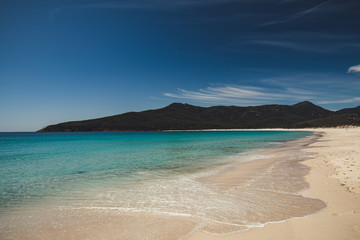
{"x": 72, "y": 60}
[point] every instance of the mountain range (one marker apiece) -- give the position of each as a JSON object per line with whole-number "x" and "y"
{"x": 179, "y": 116}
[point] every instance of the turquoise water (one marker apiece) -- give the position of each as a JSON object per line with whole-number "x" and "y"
{"x": 38, "y": 166}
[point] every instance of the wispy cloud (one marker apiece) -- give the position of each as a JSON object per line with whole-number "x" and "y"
{"x": 298, "y": 41}
{"x": 293, "y": 45}
{"x": 318, "y": 88}
{"x": 241, "y": 94}
{"x": 297, "y": 15}
{"x": 354, "y": 69}
{"x": 355, "y": 99}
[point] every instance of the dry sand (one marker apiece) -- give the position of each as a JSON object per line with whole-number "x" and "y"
{"x": 335, "y": 178}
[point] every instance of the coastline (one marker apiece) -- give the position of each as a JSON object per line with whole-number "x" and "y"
{"x": 335, "y": 178}
{"x": 326, "y": 209}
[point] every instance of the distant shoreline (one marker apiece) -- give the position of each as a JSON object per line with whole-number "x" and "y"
{"x": 307, "y": 129}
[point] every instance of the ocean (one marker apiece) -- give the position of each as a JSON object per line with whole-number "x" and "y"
{"x": 127, "y": 172}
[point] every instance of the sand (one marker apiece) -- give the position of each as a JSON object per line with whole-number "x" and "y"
{"x": 335, "y": 178}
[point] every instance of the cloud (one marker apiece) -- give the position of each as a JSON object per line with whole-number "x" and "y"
{"x": 242, "y": 94}
{"x": 355, "y": 99}
{"x": 354, "y": 69}
{"x": 324, "y": 88}
{"x": 297, "y": 15}
{"x": 303, "y": 41}
{"x": 304, "y": 47}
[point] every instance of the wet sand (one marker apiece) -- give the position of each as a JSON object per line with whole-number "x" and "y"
{"x": 267, "y": 192}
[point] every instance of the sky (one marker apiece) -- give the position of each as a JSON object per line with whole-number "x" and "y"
{"x": 66, "y": 60}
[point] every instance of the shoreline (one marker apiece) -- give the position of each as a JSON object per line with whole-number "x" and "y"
{"x": 295, "y": 196}
{"x": 330, "y": 179}
{"x": 286, "y": 157}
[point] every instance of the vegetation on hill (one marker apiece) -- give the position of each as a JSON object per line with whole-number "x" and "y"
{"x": 178, "y": 116}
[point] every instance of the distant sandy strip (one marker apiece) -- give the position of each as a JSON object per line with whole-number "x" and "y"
{"x": 335, "y": 178}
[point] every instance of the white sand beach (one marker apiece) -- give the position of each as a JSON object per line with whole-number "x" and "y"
{"x": 335, "y": 178}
